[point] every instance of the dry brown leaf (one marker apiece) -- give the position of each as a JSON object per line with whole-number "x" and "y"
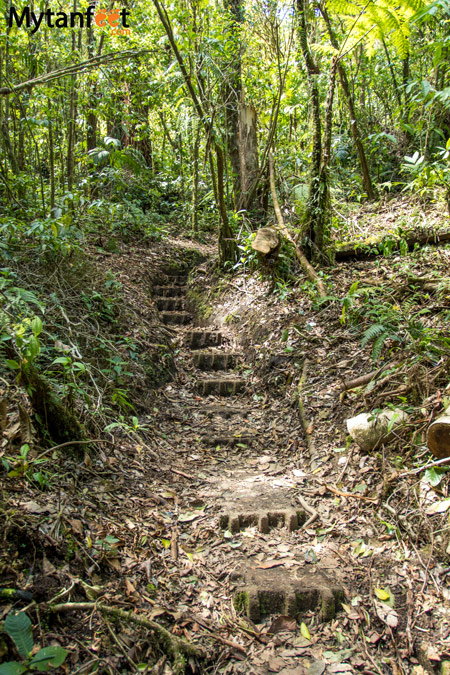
{"x": 269, "y": 564}
{"x": 282, "y": 623}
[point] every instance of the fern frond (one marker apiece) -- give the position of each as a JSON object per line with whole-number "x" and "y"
{"x": 372, "y": 332}
{"x": 378, "y": 345}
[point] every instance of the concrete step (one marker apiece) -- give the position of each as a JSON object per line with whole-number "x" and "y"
{"x": 197, "y": 339}
{"x": 262, "y": 519}
{"x": 176, "y": 318}
{"x": 221, "y": 386}
{"x": 211, "y": 360}
{"x": 224, "y": 439}
{"x": 290, "y": 592}
{"x": 170, "y": 304}
{"x": 225, "y": 411}
{"x": 169, "y": 291}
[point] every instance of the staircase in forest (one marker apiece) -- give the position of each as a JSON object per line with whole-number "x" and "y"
{"x": 241, "y": 498}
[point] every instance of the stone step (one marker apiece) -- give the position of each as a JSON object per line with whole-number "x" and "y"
{"x": 221, "y": 386}
{"x": 196, "y": 339}
{"x": 290, "y": 592}
{"x": 170, "y": 304}
{"x": 176, "y": 318}
{"x": 214, "y": 360}
{"x": 263, "y": 520}
{"x": 169, "y": 291}
{"x": 215, "y": 438}
{"x": 177, "y": 279}
{"x": 225, "y": 411}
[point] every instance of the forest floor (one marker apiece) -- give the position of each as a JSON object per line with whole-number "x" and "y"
{"x": 260, "y": 536}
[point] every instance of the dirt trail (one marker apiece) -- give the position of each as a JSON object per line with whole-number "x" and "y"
{"x": 242, "y": 486}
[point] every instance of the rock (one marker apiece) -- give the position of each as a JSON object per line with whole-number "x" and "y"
{"x": 369, "y": 430}
{"x": 266, "y": 240}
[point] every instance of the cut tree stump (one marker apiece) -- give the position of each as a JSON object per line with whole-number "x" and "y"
{"x": 438, "y": 436}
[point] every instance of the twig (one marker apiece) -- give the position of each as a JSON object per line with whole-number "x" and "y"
{"x": 63, "y": 445}
{"x": 438, "y": 462}
{"x": 120, "y": 645}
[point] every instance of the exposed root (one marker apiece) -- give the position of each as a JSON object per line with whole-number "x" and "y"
{"x": 175, "y": 647}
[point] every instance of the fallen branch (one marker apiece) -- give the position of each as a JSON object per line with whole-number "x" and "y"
{"x": 362, "y": 379}
{"x": 304, "y": 262}
{"x": 340, "y": 493}
{"x": 175, "y": 647}
{"x": 366, "y": 250}
{"x": 314, "y": 514}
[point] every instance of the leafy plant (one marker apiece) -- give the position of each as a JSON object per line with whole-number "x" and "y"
{"x": 18, "y": 627}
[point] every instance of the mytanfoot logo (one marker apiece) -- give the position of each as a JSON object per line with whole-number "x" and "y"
{"x": 116, "y": 19}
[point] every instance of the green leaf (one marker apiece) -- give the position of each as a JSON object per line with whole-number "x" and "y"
{"x": 304, "y": 631}
{"x": 36, "y": 326}
{"x": 12, "y": 364}
{"x": 18, "y": 627}
{"x": 382, "y": 594}
{"x": 12, "y": 668}
{"x": 48, "y": 657}
{"x": 433, "y": 476}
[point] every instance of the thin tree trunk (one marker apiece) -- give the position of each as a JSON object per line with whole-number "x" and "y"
{"x": 367, "y": 181}
{"x": 232, "y": 95}
{"x": 51, "y": 150}
{"x": 195, "y": 161}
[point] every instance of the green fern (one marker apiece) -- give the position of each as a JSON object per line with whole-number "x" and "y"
{"x": 377, "y": 21}
{"x": 372, "y": 332}
{"x": 378, "y": 345}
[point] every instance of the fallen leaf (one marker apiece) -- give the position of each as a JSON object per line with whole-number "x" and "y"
{"x": 269, "y": 564}
{"x": 387, "y": 614}
{"x": 438, "y": 507}
{"x": 381, "y": 594}
{"x": 304, "y": 631}
{"x": 47, "y": 567}
{"x": 282, "y": 623}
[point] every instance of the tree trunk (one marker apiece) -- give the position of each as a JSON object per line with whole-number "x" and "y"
{"x": 232, "y": 95}
{"x": 248, "y": 153}
{"x": 51, "y": 151}
{"x": 195, "y": 160}
{"x": 313, "y": 210}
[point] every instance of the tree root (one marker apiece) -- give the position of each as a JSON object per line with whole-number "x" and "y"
{"x": 175, "y": 647}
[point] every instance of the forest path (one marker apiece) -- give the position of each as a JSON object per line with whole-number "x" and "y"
{"x": 243, "y": 513}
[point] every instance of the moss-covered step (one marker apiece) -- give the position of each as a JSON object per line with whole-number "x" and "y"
{"x": 261, "y": 592}
{"x": 211, "y": 360}
{"x": 197, "y": 339}
{"x": 176, "y": 318}
{"x": 169, "y": 291}
{"x": 221, "y": 386}
{"x": 170, "y": 304}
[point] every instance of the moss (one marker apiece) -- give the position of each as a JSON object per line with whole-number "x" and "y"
{"x": 241, "y": 602}
{"x": 51, "y": 414}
